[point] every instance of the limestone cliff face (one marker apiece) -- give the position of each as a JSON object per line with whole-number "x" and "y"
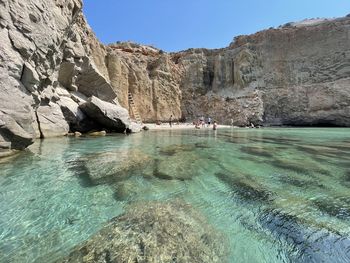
{"x": 150, "y": 76}
{"x": 298, "y": 74}
{"x": 214, "y": 85}
{"x": 50, "y": 62}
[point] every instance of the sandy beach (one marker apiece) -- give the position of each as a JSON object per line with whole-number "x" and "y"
{"x": 181, "y": 126}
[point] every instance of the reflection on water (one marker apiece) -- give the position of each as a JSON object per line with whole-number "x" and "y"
{"x": 280, "y": 195}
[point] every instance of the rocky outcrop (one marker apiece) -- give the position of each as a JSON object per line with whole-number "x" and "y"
{"x": 108, "y": 115}
{"x": 154, "y": 232}
{"x": 111, "y": 116}
{"x": 51, "y": 63}
{"x": 150, "y": 76}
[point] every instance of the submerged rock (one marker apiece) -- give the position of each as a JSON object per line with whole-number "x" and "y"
{"x": 245, "y": 188}
{"x": 301, "y": 166}
{"x": 177, "y": 148}
{"x": 257, "y": 151}
{"x": 346, "y": 178}
{"x": 111, "y": 167}
{"x": 154, "y": 232}
{"x": 336, "y": 207}
{"x": 177, "y": 167}
{"x": 310, "y": 243}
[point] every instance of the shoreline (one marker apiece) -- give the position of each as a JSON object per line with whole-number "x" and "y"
{"x": 182, "y": 126}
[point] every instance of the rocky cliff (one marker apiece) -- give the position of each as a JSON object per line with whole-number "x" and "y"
{"x": 50, "y": 64}
{"x": 56, "y": 77}
{"x": 150, "y": 75}
{"x": 297, "y": 74}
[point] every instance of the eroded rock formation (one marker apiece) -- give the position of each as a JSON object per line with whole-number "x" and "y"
{"x": 297, "y": 74}
{"x": 150, "y": 75}
{"x": 52, "y": 66}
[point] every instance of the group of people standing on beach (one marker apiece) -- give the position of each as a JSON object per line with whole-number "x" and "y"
{"x": 199, "y": 123}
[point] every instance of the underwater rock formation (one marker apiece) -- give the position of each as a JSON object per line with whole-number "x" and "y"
{"x": 311, "y": 244}
{"x": 112, "y": 167}
{"x": 245, "y": 188}
{"x": 154, "y": 232}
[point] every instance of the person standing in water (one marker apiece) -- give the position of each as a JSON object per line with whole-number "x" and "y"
{"x": 209, "y": 121}
{"x": 215, "y": 125}
{"x": 171, "y": 121}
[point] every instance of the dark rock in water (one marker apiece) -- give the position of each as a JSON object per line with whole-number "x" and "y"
{"x": 110, "y": 116}
{"x": 289, "y": 165}
{"x": 310, "y": 245}
{"x": 258, "y": 151}
{"x": 337, "y": 207}
{"x": 347, "y": 178}
{"x": 247, "y": 190}
{"x": 126, "y": 190}
{"x": 202, "y": 145}
{"x": 302, "y": 166}
{"x": 292, "y": 181}
{"x": 177, "y": 148}
{"x": 112, "y": 167}
{"x": 79, "y": 170}
{"x": 298, "y": 182}
{"x": 338, "y": 152}
{"x": 276, "y": 140}
{"x": 161, "y": 174}
{"x": 153, "y": 232}
{"x": 179, "y": 166}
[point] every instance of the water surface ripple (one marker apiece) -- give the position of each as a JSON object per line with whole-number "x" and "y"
{"x": 280, "y": 195}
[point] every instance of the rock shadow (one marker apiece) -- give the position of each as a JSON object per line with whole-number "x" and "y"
{"x": 310, "y": 244}
{"x": 246, "y": 190}
{"x": 256, "y": 151}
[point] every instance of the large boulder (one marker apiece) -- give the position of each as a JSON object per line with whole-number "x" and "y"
{"x": 77, "y": 120}
{"x": 51, "y": 120}
{"x": 16, "y": 114}
{"x": 12, "y": 135}
{"x": 110, "y": 116}
{"x": 154, "y": 232}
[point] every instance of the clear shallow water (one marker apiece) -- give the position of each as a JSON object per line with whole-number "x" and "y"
{"x": 280, "y": 195}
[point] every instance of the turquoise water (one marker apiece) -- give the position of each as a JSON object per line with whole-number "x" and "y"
{"x": 280, "y": 195}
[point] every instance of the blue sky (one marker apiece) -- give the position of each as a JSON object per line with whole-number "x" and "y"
{"x": 174, "y": 25}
